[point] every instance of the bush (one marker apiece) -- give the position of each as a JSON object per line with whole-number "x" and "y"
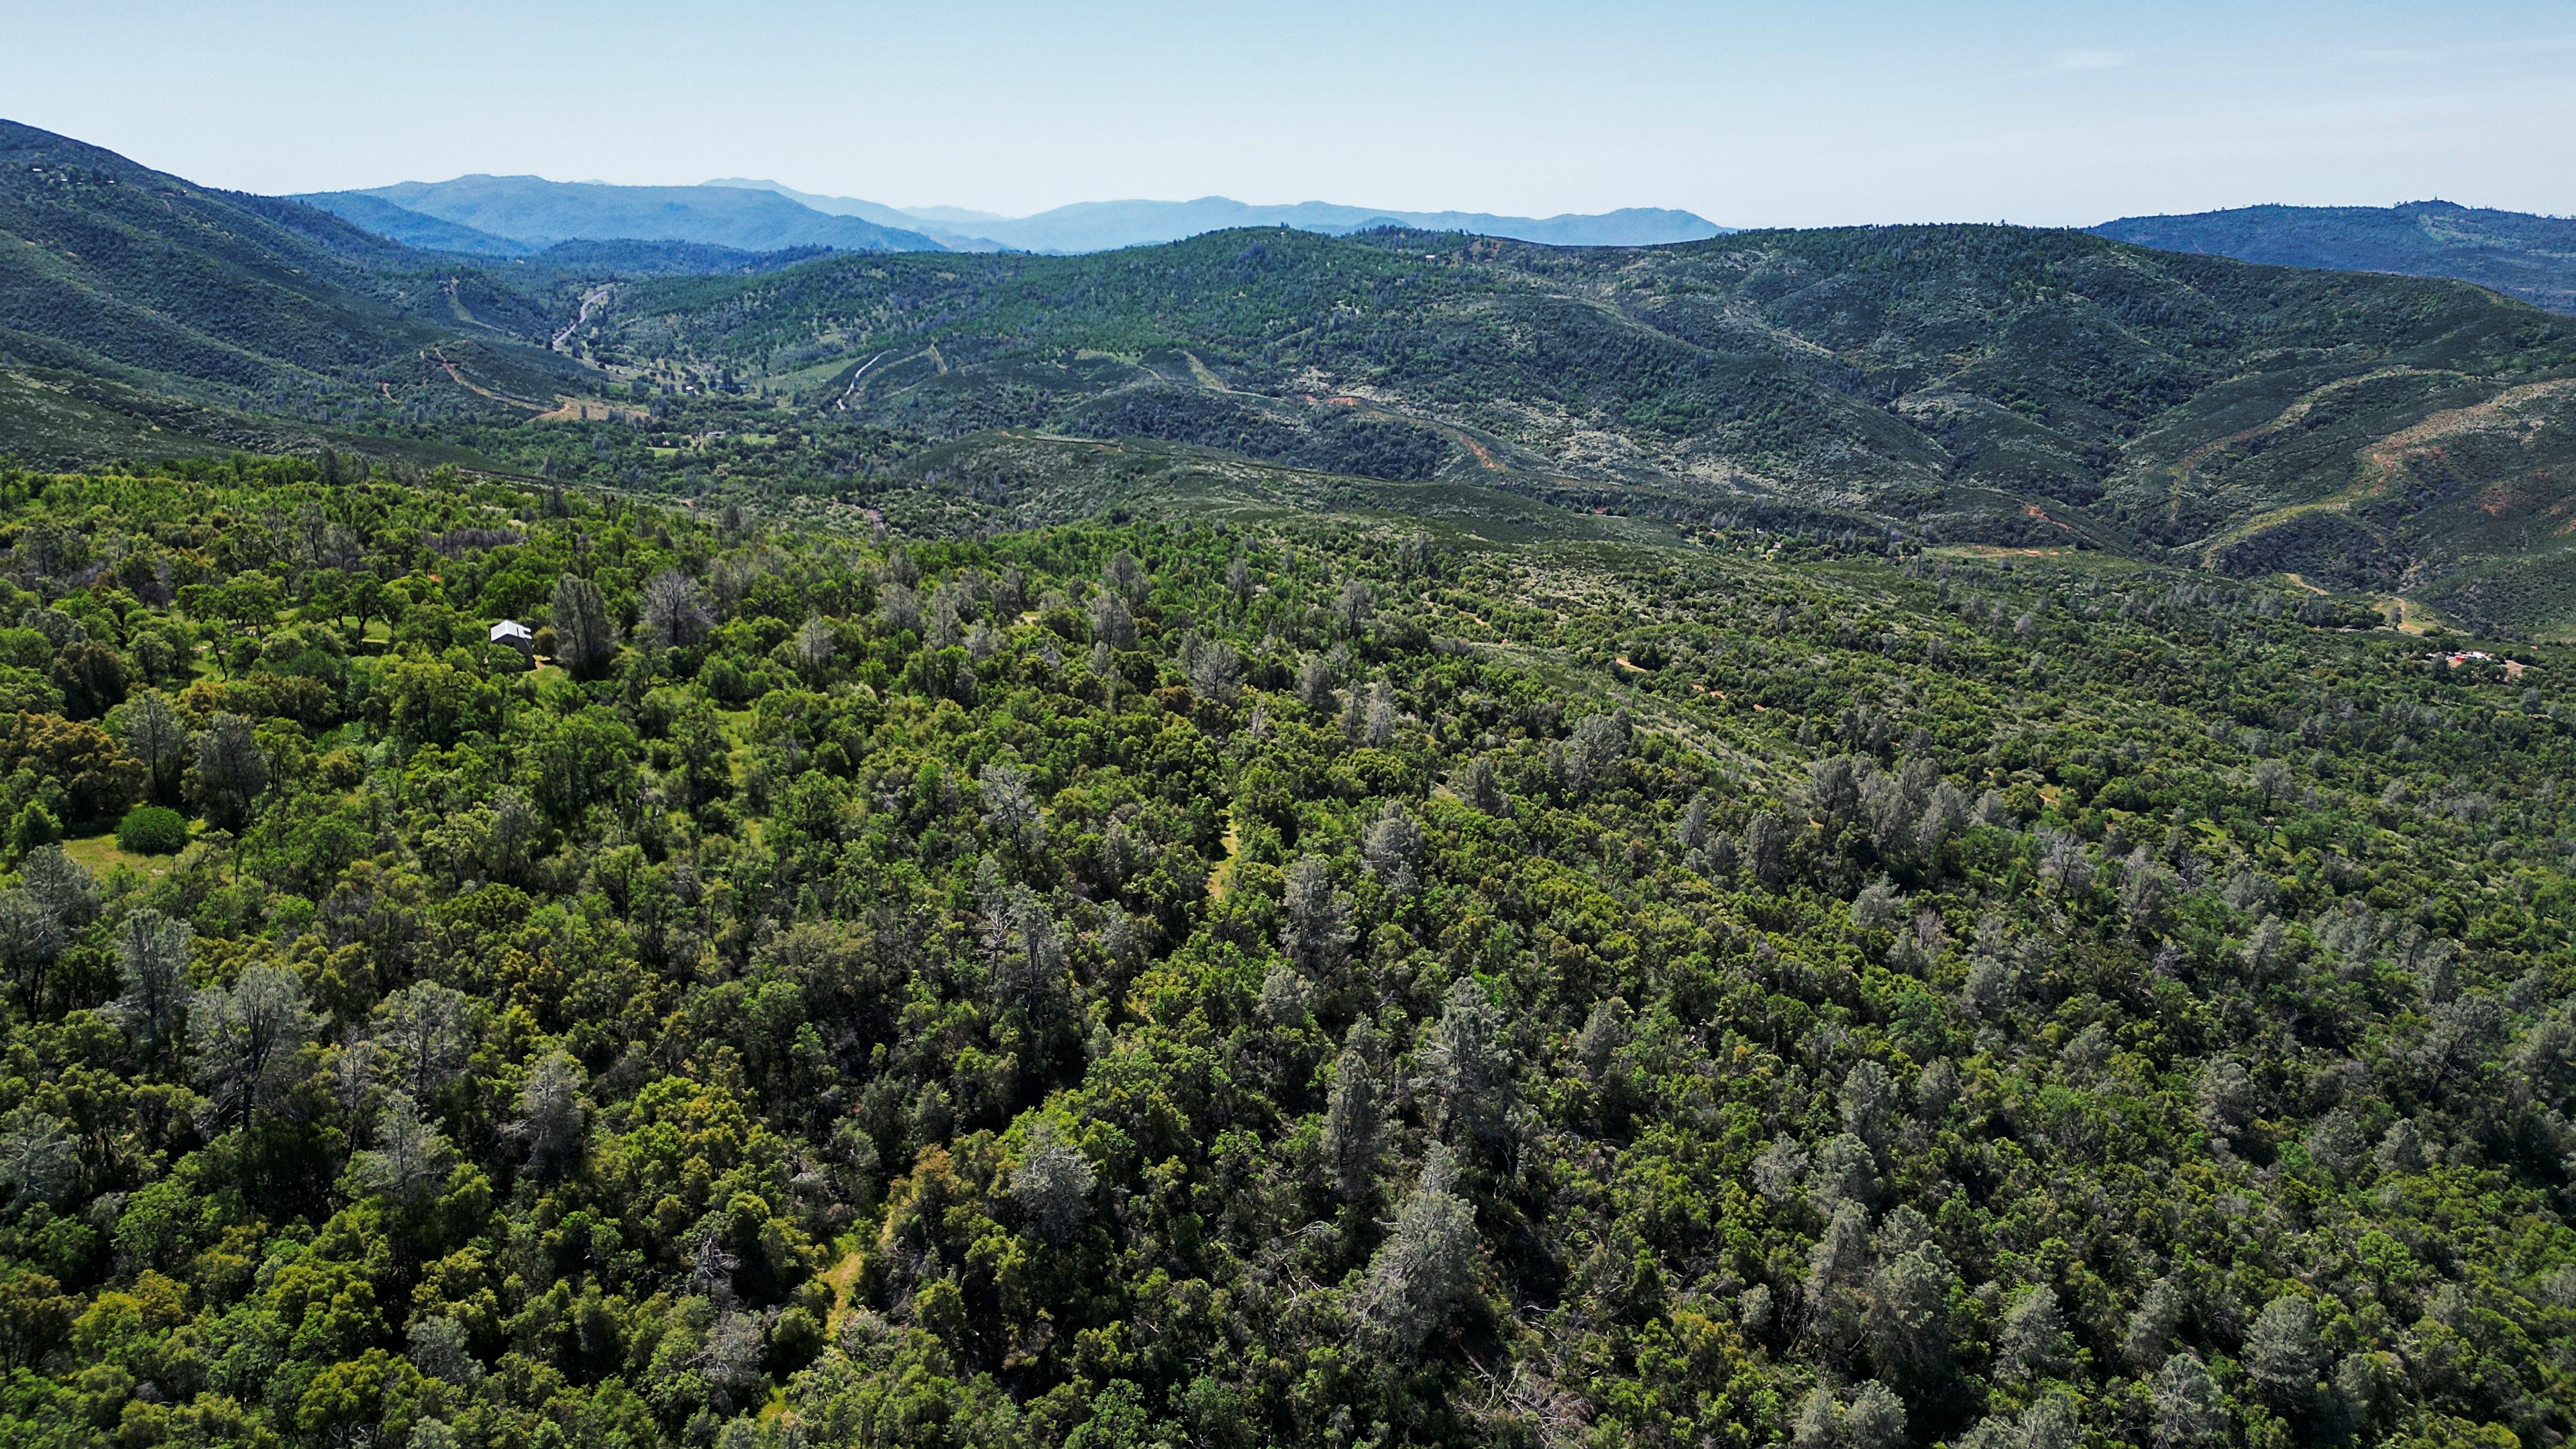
{"x": 152, "y": 830}
{"x": 35, "y": 825}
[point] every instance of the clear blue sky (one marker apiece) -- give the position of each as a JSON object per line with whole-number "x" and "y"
{"x": 1772, "y": 114}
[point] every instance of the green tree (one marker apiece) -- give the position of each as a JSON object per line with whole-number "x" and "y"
{"x": 231, "y": 770}
{"x": 91, "y": 676}
{"x": 1052, "y": 1181}
{"x": 153, "y": 734}
{"x": 1423, "y": 1277}
{"x": 96, "y": 780}
{"x": 579, "y": 761}
{"x": 247, "y": 1037}
{"x": 584, "y": 634}
{"x": 152, "y": 953}
{"x": 1355, "y": 1115}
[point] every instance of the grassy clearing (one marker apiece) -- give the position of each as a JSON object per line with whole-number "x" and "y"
{"x": 100, "y": 856}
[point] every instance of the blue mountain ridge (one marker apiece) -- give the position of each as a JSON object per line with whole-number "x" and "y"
{"x": 536, "y": 213}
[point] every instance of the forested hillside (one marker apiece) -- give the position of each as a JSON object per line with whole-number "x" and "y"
{"x": 129, "y": 273}
{"x": 2521, "y": 255}
{"x": 141, "y": 315}
{"x": 1307, "y": 980}
{"x": 1969, "y": 384}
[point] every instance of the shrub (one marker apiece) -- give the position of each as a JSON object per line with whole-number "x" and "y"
{"x": 152, "y": 830}
{"x": 35, "y": 825}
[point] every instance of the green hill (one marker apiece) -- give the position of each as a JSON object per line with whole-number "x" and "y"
{"x": 2521, "y": 255}
{"x": 1968, "y": 384}
{"x": 267, "y": 318}
{"x": 116, "y": 267}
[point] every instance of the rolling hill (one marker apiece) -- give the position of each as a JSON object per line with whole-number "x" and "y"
{"x": 1329, "y": 971}
{"x": 2525, "y": 256}
{"x": 144, "y": 316}
{"x": 1976, "y": 385}
{"x": 141, "y": 315}
{"x": 1962, "y": 386}
{"x": 1557, "y": 848}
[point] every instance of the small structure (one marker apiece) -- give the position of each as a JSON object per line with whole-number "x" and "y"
{"x": 515, "y": 634}
{"x": 2512, "y": 667}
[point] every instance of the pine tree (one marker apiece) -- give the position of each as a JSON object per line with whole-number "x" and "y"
{"x": 1471, "y": 1061}
{"x": 2190, "y": 1412}
{"x": 1766, "y": 847}
{"x": 1314, "y": 931}
{"x": 231, "y": 770}
{"x": 550, "y": 1114}
{"x": 410, "y": 1157}
{"x": 2034, "y": 1343}
{"x": 153, "y": 733}
{"x": 2152, "y": 1325}
{"x": 585, "y": 638}
{"x": 1356, "y": 604}
{"x": 1424, "y": 1275}
{"x": 152, "y": 963}
{"x": 672, "y": 615}
{"x": 2283, "y": 1356}
{"x": 1315, "y": 685}
{"x": 421, "y": 1037}
{"x": 1355, "y": 1115}
{"x": 1869, "y": 1104}
{"x": 440, "y": 1348}
{"x": 1845, "y": 1171}
{"x": 1052, "y": 1182}
{"x": 1391, "y": 845}
{"x": 1111, "y": 623}
{"x": 31, "y": 938}
{"x": 247, "y": 1035}
{"x": 1875, "y": 1418}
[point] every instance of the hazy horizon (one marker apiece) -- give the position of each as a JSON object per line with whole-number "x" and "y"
{"x": 942, "y": 212}
{"x": 1843, "y": 112}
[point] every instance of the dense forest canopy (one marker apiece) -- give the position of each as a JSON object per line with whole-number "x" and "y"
{"x": 1301, "y": 979}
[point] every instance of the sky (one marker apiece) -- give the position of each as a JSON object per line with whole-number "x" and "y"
{"x": 1778, "y": 114}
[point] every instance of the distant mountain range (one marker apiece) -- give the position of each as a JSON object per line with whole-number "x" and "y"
{"x": 416, "y": 228}
{"x": 946, "y": 225}
{"x": 1099, "y": 226}
{"x": 2522, "y": 255}
{"x": 510, "y": 216}
{"x": 519, "y": 215}
{"x": 2525, "y": 256}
